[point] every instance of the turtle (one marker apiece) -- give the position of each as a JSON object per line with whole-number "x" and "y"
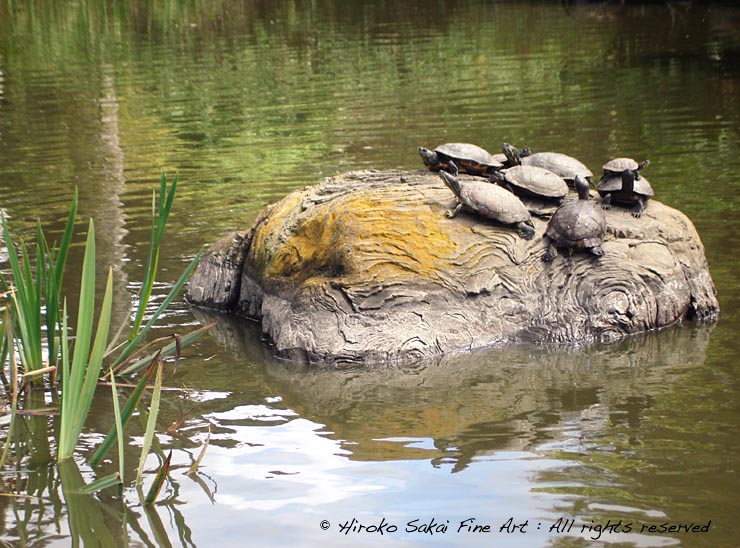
{"x": 616, "y": 166}
{"x": 532, "y": 181}
{"x": 464, "y": 157}
{"x": 578, "y": 224}
{"x": 491, "y": 201}
{"x": 625, "y": 189}
{"x": 561, "y": 164}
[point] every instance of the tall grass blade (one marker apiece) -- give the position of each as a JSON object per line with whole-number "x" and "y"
{"x": 126, "y": 413}
{"x": 111, "y": 480}
{"x": 165, "y": 350}
{"x": 82, "y": 373}
{"x": 151, "y": 422}
{"x": 38, "y": 292}
{"x": 7, "y": 335}
{"x": 66, "y": 380}
{"x": 119, "y": 431}
{"x": 57, "y": 259}
{"x": 135, "y": 340}
{"x": 64, "y": 245}
{"x": 194, "y": 467}
{"x": 160, "y": 213}
{"x": 156, "y": 487}
{"x": 25, "y": 302}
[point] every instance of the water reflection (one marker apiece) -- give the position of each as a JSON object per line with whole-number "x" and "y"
{"x": 473, "y": 404}
{"x": 594, "y": 409}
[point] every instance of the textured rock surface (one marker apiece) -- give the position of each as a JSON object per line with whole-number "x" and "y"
{"x": 365, "y": 267}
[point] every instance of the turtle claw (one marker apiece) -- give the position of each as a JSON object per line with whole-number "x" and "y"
{"x": 639, "y": 209}
{"x": 606, "y": 202}
{"x": 450, "y": 213}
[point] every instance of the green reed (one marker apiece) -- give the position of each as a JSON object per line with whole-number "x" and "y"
{"x": 126, "y": 413}
{"x": 35, "y": 294}
{"x": 160, "y": 214}
{"x": 34, "y": 316}
{"x": 81, "y": 367}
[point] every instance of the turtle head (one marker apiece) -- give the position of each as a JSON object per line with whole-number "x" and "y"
{"x": 497, "y": 177}
{"x": 640, "y": 166}
{"x": 451, "y": 182}
{"x": 581, "y": 187}
{"x": 428, "y": 157}
{"x": 512, "y": 154}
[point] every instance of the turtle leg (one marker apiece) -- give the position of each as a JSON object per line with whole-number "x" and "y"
{"x": 452, "y": 168}
{"x": 606, "y": 202}
{"x": 639, "y": 208}
{"x": 526, "y": 230}
{"x": 596, "y": 250}
{"x": 551, "y": 252}
{"x": 539, "y": 213}
{"x": 452, "y": 212}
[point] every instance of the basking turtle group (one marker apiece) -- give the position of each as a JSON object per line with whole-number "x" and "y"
{"x": 512, "y": 175}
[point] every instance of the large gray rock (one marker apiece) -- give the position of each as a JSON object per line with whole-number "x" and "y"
{"x": 365, "y": 267}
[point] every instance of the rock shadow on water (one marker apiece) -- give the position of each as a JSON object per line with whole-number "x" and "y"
{"x": 454, "y": 409}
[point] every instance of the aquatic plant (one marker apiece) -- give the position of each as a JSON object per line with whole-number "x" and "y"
{"x": 34, "y": 316}
{"x": 81, "y": 367}
{"x": 160, "y": 214}
{"x": 35, "y": 295}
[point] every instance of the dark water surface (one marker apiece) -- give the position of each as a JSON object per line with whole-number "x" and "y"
{"x": 247, "y": 101}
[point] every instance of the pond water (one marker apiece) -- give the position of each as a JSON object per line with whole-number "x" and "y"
{"x": 246, "y": 101}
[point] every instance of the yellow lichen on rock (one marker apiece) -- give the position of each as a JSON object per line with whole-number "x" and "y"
{"x": 381, "y": 235}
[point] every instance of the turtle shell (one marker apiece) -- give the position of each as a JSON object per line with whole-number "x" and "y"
{"x": 536, "y": 181}
{"x": 563, "y": 165}
{"x": 618, "y": 165}
{"x": 577, "y": 224}
{"x": 613, "y": 185}
{"x": 501, "y": 158}
{"x": 493, "y": 202}
{"x": 469, "y": 158}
